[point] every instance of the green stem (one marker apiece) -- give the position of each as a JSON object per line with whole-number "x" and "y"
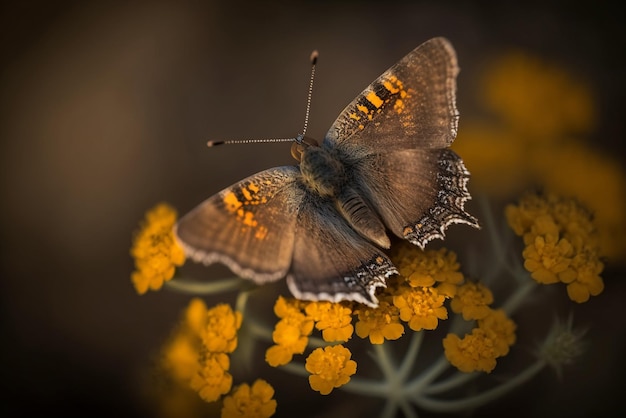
{"x": 384, "y": 362}
{"x": 450, "y": 383}
{"x": 205, "y": 288}
{"x": 416, "y": 385}
{"x": 472, "y": 402}
{"x": 516, "y": 299}
{"x": 410, "y": 356}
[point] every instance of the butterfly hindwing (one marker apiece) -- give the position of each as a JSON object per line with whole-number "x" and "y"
{"x": 417, "y": 192}
{"x": 250, "y": 226}
{"x": 411, "y": 104}
{"x": 331, "y": 261}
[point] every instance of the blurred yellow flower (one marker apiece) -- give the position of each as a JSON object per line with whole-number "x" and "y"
{"x": 180, "y": 357}
{"x": 330, "y": 368}
{"x": 596, "y": 181}
{"x": 195, "y": 317}
{"x": 537, "y": 99}
{"x": 535, "y": 136}
{"x": 181, "y": 353}
{"x": 155, "y": 250}
{"x": 250, "y": 402}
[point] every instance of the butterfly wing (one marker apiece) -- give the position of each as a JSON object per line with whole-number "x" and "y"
{"x": 330, "y": 260}
{"x": 412, "y": 104}
{"x": 394, "y": 137}
{"x": 250, "y": 226}
{"x": 417, "y": 192}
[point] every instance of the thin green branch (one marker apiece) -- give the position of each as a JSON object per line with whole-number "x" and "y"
{"x": 416, "y": 386}
{"x": 519, "y": 296}
{"x": 472, "y": 402}
{"x": 411, "y": 355}
{"x": 385, "y": 362}
{"x": 452, "y": 382}
{"x": 195, "y": 287}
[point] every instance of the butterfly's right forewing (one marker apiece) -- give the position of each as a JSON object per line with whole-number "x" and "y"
{"x": 250, "y": 226}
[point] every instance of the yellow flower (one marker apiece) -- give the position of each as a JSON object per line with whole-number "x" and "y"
{"x": 155, "y": 250}
{"x": 330, "y": 368}
{"x": 291, "y": 333}
{"x": 586, "y": 268}
{"x": 212, "y": 379}
{"x": 500, "y": 329}
{"x": 427, "y": 268}
{"x": 379, "y": 324}
{"x": 250, "y": 402}
{"x": 546, "y": 258}
{"x": 472, "y": 300}
{"x": 220, "y": 332}
{"x": 475, "y": 352}
{"x": 521, "y": 217}
{"x": 284, "y": 308}
{"x": 421, "y": 307}
{"x": 561, "y": 243}
{"x": 333, "y": 319}
{"x": 291, "y": 336}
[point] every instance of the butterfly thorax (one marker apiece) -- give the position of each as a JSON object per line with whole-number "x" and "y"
{"x": 324, "y": 174}
{"x": 322, "y": 171}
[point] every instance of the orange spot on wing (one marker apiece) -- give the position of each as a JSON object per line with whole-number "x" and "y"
{"x": 231, "y": 202}
{"x": 374, "y": 99}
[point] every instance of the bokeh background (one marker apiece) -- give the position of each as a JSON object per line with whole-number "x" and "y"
{"x": 105, "y": 108}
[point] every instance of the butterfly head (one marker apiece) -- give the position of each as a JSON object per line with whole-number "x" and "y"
{"x": 300, "y": 144}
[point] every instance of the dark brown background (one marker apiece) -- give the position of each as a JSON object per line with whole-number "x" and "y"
{"x": 105, "y": 109}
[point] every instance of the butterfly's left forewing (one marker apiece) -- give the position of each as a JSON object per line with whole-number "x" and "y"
{"x": 250, "y": 226}
{"x": 410, "y": 105}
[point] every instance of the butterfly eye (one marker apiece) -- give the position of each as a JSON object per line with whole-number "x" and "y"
{"x": 296, "y": 151}
{"x": 297, "y": 148}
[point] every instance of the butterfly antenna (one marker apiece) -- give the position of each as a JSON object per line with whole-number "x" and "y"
{"x": 313, "y": 60}
{"x": 300, "y": 137}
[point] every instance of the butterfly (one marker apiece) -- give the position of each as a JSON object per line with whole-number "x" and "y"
{"x": 384, "y": 166}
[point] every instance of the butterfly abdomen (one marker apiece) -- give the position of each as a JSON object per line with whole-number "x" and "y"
{"x": 322, "y": 172}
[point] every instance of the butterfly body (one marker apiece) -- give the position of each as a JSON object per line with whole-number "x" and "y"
{"x": 384, "y": 165}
